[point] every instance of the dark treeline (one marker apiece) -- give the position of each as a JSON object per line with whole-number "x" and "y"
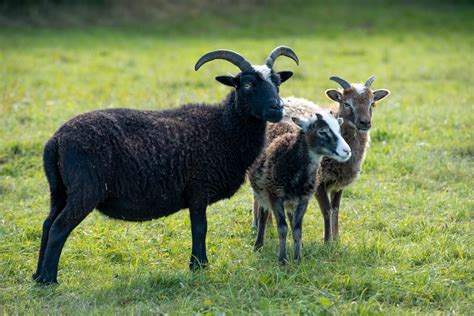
{"x": 110, "y": 12}
{"x": 58, "y": 13}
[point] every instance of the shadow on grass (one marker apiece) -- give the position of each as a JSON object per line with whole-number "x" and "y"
{"x": 152, "y": 286}
{"x": 322, "y": 264}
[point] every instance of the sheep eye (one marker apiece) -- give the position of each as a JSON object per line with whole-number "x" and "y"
{"x": 347, "y": 105}
{"x": 247, "y": 86}
{"x": 322, "y": 133}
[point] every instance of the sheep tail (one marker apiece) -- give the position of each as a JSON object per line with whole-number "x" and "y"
{"x": 51, "y": 165}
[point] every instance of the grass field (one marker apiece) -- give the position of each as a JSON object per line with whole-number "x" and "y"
{"x": 406, "y": 225}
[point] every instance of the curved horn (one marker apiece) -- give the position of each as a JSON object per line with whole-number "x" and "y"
{"x": 224, "y": 54}
{"x": 369, "y": 81}
{"x": 278, "y": 51}
{"x": 346, "y": 85}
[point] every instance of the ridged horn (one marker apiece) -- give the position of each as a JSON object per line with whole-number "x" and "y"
{"x": 279, "y": 51}
{"x": 369, "y": 81}
{"x": 346, "y": 85}
{"x": 224, "y": 54}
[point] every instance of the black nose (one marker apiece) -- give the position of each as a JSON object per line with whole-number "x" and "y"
{"x": 277, "y": 104}
{"x": 364, "y": 123}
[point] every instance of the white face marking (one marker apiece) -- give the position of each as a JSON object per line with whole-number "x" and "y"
{"x": 343, "y": 150}
{"x": 303, "y": 123}
{"x": 264, "y": 70}
{"x": 360, "y": 88}
{"x": 332, "y": 122}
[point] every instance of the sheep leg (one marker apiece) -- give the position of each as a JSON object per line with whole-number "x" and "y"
{"x": 57, "y": 204}
{"x": 63, "y": 225}
{"x": 289, "y": 215}
{"x": 297, "y": 228}
{"x": 262, "y": 214}
{"x": 199, "y": 231}
{"x": 279, "y": 212}
{"x": 256, "y": 216}
{"x": 255, "y": 213}
{"x": 335, "y": 203}
{"x": 269, "y": 219}
{"x": 325, "y": 206}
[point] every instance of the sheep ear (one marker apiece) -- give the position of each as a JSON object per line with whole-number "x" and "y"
{"x": 285, "y": 75}
{"x": 227, "y": 80}
{"x": 380, "y": 94}
{"x": 300, "y": 122}
{"x": 334, "y": 95}
{"x": 340, "y": 121}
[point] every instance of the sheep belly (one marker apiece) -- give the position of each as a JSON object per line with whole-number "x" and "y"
{"x": 126, "y": 209}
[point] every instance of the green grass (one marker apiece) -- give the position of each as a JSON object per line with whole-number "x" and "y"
{"x": 406, "y": 225}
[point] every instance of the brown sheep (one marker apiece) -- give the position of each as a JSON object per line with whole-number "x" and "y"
{"x": 354, "y": 104}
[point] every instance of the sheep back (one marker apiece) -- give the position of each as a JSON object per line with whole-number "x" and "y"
{"x": 148, "y": 164}
{"x": 335, "y": 175}
{"x": 283, "y": 168}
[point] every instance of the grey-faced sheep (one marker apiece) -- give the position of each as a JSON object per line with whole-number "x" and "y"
{"x": 283, "y": 176}
{"x": 354, "y": 104}
{"x": 140, "y": 165}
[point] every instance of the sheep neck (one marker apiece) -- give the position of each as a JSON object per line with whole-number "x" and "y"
{"x": 353, "y": 136}
{"x": 302, "y": 150}
{"x": 245, "y": 133}
{"x": 358, "y": 143}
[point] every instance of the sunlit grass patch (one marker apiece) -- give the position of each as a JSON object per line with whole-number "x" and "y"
{"x": 406, "y": 224}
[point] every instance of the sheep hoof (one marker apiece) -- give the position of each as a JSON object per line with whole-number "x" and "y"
{"x": 195, "y": 265}
{"x": 258, "y": 246}
{"x": 283, "y": 261}
{"x": 44, "y": 281}
{"x": 332, "y": 240}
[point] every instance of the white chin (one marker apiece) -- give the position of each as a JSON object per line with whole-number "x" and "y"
{"x": 340, "y": 158}
{"x": 364, "y": 131}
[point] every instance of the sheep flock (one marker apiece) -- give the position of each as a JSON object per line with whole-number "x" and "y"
{"x": 138, "y": 165}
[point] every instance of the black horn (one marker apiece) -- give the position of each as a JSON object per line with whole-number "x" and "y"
{"x": 346, "y": 85}
{"x": 278, "y": 51}
{"x": 224, "y": 54}
{"x": 369, "y": 81}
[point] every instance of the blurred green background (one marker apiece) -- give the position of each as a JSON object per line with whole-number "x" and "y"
{"x": 406, "y": 224}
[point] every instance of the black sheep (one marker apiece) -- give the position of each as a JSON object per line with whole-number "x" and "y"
{"x": 140, "y": 165}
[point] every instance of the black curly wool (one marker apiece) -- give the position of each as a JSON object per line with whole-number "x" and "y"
{"x": 138, "y": 165}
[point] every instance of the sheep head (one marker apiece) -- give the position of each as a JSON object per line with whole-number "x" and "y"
{"x": 257, "y": 86}
{"x": 323, "y": 135}
{"x": 356, "y": 102}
